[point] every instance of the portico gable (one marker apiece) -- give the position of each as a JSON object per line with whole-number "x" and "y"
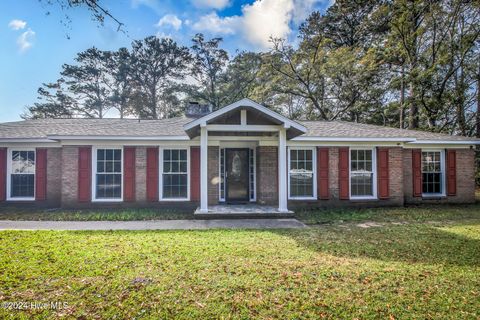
{"x": 244, "y": 118}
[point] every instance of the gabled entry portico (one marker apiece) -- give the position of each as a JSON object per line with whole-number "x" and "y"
{"x": 248, "y": 122}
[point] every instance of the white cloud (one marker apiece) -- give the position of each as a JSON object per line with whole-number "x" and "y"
{"x": 267, "y": 18}
{"x": 260, "y": 20}
{"x": 170, "y": 20}
{"x": 217, "y": 25}
{"x": 214, "y": 4}
{"x": 25, "y": 40}
{"x": 17, "y": 24}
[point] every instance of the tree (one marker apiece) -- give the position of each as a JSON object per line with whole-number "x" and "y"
{"x": 89, "y": 82}
{"x": 54, "y": 103}
{"x": 120, "y": 70}
{"x": 99, "y": 12}
{"x": 208, "y": 70}
{"x": 157, "y": 64}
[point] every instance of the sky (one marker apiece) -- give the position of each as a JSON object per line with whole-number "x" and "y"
{"x": 36, "y": 38}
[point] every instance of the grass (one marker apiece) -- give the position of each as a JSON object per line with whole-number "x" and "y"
{"x": 12, "y": 213}
{"x": 419, "y": 270}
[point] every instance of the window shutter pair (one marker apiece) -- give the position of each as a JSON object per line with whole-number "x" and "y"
{"x": 383, "y": 175}
{"x": 85, "y": 174}
{"x": 40, "y": 174}
{"x": 451, "y": 172}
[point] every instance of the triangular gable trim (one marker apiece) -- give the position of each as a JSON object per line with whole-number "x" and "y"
{"x": 245, "y": 103}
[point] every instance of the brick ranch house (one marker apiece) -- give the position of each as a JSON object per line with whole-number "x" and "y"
{"x": 242, "y": 153}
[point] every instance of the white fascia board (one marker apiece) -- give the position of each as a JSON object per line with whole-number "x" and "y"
{"x": 26, "y": 140}
{"x": 244, "y": 103}
{"x": 122, "y": 138}
{"x": 347, "y": 139}
{"x": 458, "y": 142}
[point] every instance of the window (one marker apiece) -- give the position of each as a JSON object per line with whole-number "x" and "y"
{"x": 21, "y": 170}
{"x": 175, "y": 177}
{"x": 301, "y": 173}
{"x": 108, "y": 174}
{"x": 432, "y": 172}
{"x": 362, "y": 173}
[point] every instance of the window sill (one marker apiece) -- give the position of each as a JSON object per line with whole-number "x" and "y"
{"x": 360, "y": 199}
{"x": 433, "y": 196}
{"x": 107, "y": 200}
{"x": 174, "y": 200}
{"x": 302, "y": 198}
{"x": 20, "y": 199}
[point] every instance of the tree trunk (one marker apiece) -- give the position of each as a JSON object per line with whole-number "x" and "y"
{"x": 459, "y": 102}
{"x": 477, "y": 116}
{"x": 413, "y": 112}
{"x": 402, "y": 97}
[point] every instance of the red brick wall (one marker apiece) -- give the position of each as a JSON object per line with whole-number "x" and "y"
{"x": 465, "y": 159}
{"x": 267, "y": 175}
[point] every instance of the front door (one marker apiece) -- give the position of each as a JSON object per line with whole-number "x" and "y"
{"x": 236, "y": 175}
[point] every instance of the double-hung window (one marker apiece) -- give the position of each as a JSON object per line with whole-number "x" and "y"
{"x": 301, "y": 173}
{"x": 108, "y": 170}
{"x": 21, "y": 170}
{"x": 174, "y": 180}
{"x": 362, "y": 174}
{"x": 433, "y": 173}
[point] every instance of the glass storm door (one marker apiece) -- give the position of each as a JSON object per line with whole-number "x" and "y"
{"x": 236, "y": 175}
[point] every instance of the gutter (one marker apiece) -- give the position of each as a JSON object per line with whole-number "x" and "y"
{"x": 120, "y": 138}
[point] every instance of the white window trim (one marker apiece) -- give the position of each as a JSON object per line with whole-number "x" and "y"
{"x": 94, "y": 174}
{"x": 374, "y": 171}
{"x": 160, "y": 174}
{"x": 442, "y": 167}
{"x": 314, "y": 169}
{"x": 9, "y": 174}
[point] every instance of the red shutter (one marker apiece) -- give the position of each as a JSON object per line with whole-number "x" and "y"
{"x": 451, "y": 173}
{"x": 417, "y": 172}
{"x": 41, "y": 174}
{"x": 322, "y": 175}
{"x": 3, "y": 174}
{"x": 152, "y": 174}
{"x": 84, "y": 174}
{"x": 382, "y": 171}
{"x": 129, "y": 174}
{"x": 343, "y": 174}
{"x": 195, "y": 173}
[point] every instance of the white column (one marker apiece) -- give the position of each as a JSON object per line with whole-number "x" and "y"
{"x": 282, "y": 170}
{"x": 203, "y": 169}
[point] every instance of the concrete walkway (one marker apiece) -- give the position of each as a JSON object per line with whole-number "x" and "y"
{"x": 152, "y": 224}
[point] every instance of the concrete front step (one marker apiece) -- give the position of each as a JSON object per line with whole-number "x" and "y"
{"x": 249, "y": 211}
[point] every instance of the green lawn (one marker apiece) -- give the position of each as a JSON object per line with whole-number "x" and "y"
{"x": 423, "y": 270}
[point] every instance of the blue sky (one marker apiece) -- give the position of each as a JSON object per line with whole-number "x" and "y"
{"x": 34, "y": 45}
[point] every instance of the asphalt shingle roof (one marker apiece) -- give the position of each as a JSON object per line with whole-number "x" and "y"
{"x": 40, "y": 128}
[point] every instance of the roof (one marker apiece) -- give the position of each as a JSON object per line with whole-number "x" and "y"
{"x": 347, "y": 130}
{"x": 174, "y": 129}
{"x": 44, "y": 128}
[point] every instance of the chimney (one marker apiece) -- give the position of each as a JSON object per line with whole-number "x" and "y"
{"x": 197, "y": 110}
